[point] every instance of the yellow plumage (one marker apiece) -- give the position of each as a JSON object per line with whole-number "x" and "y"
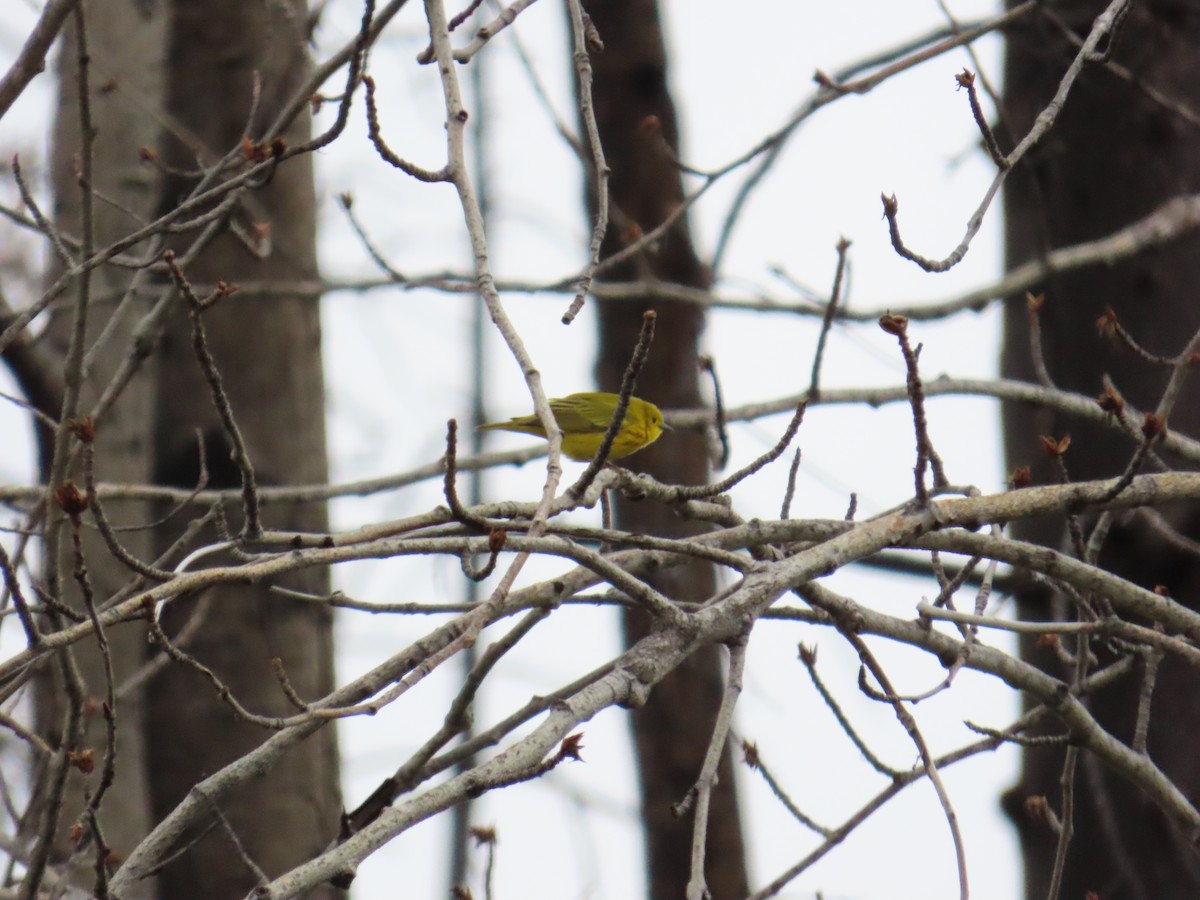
{"x": 584, "y": 418}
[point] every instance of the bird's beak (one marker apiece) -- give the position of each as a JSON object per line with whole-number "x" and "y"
{"x": 666, "y": 427}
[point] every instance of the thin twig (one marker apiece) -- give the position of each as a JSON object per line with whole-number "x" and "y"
{"x": 1150, "y": 662}
{"x": 628, "y": 384}
{"x": 831, "y": 309}
{"x": 785, "y": 510}
{"x": 456, "y": 116}
{"x": 1066, "y": 819}
{"x": 252, "y": 527}
{"x": 456, "y": 721}
{"x": 598, "y": 168}
{"x": 838, "y": 85}
{"x": 260, "y": 877}
{"x": 902, "y": 780}
{"x": 753, "y": 759}
{"x": 346, "y": 202}
{"x": 483, "y": 34}
{"x": 31, "y": 61}
{"x": 109, "y": 709}
{"x": 72, "y": 722}
{"x": 966, "y": 79}
{"x": 707, "y": 364}
{"x": 106, "y": 530}
{"x": 808, "y": 656}
{"x": 930, "y": 764}
{"x": 429, "y": 176}
{"x": 1155, "y": 424}
{"x": 450, "y": 482}
{"x": 927, "y": 456}
{"x": 1102, "y": 26}
{"x": 1033, "y": 308}
{"x": 13, "y": 585}
{"x": 44, "y": 225}
{"x": 701, "y": 793}
{"x": 702, "y": 491}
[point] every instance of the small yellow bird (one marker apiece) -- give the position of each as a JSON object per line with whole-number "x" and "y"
{"x": 584, "y": 418}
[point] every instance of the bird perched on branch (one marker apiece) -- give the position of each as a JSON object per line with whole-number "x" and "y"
{"x": 584, "y": 417}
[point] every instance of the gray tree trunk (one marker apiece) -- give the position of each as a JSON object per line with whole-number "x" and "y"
{"x": 126, "y": 43}
{"x": 180, "y": 77}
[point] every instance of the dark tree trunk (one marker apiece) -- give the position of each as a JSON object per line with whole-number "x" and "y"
{"x": 674, "y": 727}
{"x": 1114, "y": 155}
{"x": 268, "y": 353}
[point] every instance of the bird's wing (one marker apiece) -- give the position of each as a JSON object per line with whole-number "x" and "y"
{"x": 576, "y": 419}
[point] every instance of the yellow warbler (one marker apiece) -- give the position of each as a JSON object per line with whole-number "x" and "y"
{"x": 584, "y": 418}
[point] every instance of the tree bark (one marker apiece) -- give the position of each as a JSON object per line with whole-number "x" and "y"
{"x": 268, "y": 354}
{"x": 126, "y": 49}
{"x": 674, "y": 727}
{"x": 1113, "y": 156}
